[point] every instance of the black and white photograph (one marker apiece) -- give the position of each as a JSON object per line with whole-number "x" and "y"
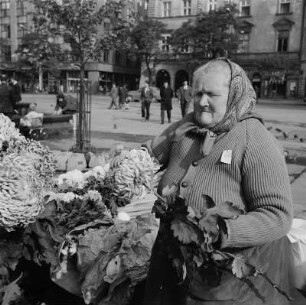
{"x": 152, "y": 152}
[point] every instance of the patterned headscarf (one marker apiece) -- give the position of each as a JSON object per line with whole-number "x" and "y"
{"x": 240, "y": 104}
{"x": 241, "y": 98}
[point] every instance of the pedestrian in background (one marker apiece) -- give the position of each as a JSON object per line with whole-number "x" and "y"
{"x": 146, "y": 99}
{"x": 16, "y": 90}
{"x": 7, "y": 102}
{"x": 122, "y": 96}
{"x": 185, "y": 96}
{"x": 166, "y": 95}
{"x": 114, "y": 93}
{"x": 65, "y": 104}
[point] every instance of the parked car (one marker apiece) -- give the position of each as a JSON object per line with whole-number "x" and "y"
{"x": 134, "y": 95}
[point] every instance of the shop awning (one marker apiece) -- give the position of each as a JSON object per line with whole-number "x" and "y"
{"x": 67, "y": 66}
{"x": 14, "y": 67}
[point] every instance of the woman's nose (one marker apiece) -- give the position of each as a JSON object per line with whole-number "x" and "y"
{"x": 203, "y": 101}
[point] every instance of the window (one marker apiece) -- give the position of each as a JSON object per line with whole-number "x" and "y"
{"x": 165, "y": 43}
{"x": 117, "y": 57}
{"x": 166, "y": 9}
{"x": 4, "y": 8}
{"x": 5, "y": 5}
{"x": 5, "y": 31}
{"x": 185, "y": 46}
{"x": 20, "y": 8}
{"x": 186, "y": 7}
{"x": 245, "y": 8}
{"x": 244, "y": 42}
{"x": 105, "y": 55}
{"x": 284, "y": 6}
{"x": 22, "y": 30}
{"x": 105, "y": 81}
{"x": 4, "y": 13}
{"x": 212, "y": 5}
{"x": 283, "y": 41}
{"x": 6, "y": 53}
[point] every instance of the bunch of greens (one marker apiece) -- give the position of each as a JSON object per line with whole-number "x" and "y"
{"x": 190, "y": 239}
{"x": 72, "y": 210}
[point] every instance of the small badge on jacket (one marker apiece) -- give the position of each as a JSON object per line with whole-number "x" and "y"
{"x": 226, "y": 157}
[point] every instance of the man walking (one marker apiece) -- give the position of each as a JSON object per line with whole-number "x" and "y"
{"x": 16, "y": 90}
{"x": 114, "y": 93}
{"x": 123, "y": 92}
{"x": 7, "y": 102}
{"x": 146, "y": 99}
{"x": 166, "y": 95}
{"x": 185, "y": 97}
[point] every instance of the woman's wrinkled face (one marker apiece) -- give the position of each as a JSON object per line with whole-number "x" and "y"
{"x": 211, "y": 91}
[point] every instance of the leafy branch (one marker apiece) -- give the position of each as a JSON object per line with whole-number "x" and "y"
{"x": 191, "y": 239}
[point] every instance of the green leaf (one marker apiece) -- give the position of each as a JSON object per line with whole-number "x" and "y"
{"x": 209, "y": 225}
{"x": 185, "y": 232}
{"x": 225, "y": 210}
{"x": 241, "y": 268}
{"x": 11, "y": 293}
{"x": 219, "y": 256}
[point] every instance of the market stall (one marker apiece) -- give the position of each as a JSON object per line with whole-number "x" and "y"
{"x": 93, "y": 229}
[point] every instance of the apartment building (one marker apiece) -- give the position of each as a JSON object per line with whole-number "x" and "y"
{"x": 272, "y": 47}
{"x": 114, "y": 66}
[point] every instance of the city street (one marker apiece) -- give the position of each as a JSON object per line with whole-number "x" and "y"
{"x": 280, "y": 113}
{"x": 111, "y": 127}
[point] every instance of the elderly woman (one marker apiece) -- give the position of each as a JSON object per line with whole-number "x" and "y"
{"x": 223, "y": 150}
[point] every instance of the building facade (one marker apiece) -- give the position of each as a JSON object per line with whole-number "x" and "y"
{"x": 272, "y": 47}
{"x": 113, "y": 66}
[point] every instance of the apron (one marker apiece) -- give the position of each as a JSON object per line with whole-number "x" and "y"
{"x": 216, "y": 287}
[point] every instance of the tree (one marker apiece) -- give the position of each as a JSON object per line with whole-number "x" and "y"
{"x": 144, "y": 38}
{"x": 211, "y": 34}
{"x": 39, "y": 51}
{"x": 77, "y": 23}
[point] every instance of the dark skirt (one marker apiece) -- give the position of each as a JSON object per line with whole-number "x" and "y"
{"x": 204, "y": 288}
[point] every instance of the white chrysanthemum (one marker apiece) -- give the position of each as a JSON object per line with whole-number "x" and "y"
{"x": 9, "y": 134}
{"x": 44, "y": 159}
{"x": 97, "y": 172}
{"x": 71, "y": 180}
{"x": 20, "y": 192}
{"x": 92, "y": 195}
{"x": 106, "y": 167}
{"x": 132, "y": 173}
{"x": 67, "y": 197}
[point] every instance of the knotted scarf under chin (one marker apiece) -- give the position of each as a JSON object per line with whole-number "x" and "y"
{"x": 206, "y": 136}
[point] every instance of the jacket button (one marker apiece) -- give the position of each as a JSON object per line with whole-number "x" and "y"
{"x": 195, "y": 163}
{"x": 184, "y": 184}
